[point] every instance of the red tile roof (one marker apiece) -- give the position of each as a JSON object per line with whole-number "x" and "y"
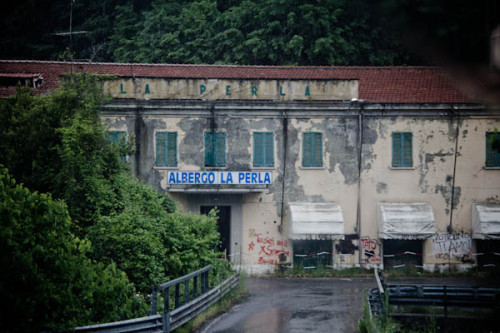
{"x": 376, "y": 84}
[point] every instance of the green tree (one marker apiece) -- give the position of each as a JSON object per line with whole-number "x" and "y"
{"x": 46, "y": 280}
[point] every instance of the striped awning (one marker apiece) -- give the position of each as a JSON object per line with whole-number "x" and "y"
{"x": 485, "y": 221}
{"x": 405, "y": 221}
{"x": 316, "y": 221}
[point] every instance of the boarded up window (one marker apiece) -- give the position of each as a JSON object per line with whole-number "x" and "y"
{"x": 312, "y": 253}
{"x": 166, "y": 149}
{"x": 402, "y": 252}
{"x": 402, "y": 154}
{"x": 312, "y": 149}
{"x": 215, "y": 149}
{"x": 263, "y": 149}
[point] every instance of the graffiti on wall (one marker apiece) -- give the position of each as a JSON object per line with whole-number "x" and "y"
{"x": 267, "y": 248}
{"x": 452, "y": 246}
{"x": 371, "y": 250}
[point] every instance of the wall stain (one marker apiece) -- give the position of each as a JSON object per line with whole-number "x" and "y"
{"x": 381, "y": 187}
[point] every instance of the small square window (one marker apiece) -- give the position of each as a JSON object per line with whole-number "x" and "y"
{"x": 166, "y": 149}
{"x": 215, "y": 149}
{"x": 402, "y": 151}
{"x": 263, "y": 149}
{"x": 312, "y": 150}
{"x": 492, "y": 150}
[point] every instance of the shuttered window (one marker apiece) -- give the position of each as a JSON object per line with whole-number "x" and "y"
{"x": 215, "y": 149}
{"x": 492, "y": 150}
{"x": 312, "y": 149}
{"x": 117, "y": 137}
{"x": 263, "y": 149}
{"x": 402, "y": 153}
{"x": 166, "y": 149}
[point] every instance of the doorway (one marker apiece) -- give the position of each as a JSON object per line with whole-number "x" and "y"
{"x": 223, "y": 225}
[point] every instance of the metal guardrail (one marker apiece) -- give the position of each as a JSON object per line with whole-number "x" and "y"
{"x": 431, "y": 295}
{"x": 194, "y": 301}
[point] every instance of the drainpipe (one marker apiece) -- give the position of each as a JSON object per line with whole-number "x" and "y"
{"x": 283, "y": 182}
{"x": 360, "y": 155}
{"x": 452, "y": 203}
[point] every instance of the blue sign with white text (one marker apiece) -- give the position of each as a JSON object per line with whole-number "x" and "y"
{"x": 219, "y": 177}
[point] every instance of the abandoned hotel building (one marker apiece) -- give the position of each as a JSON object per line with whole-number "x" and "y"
{"x": 308, "y": 166}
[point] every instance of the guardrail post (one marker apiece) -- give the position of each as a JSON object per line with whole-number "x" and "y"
{"x": 177, "y": 296}
{"x": 166, "y": 299}
{"x": 166, "y": 322}
{"x": 166, "y": 315}
{"x": 195, "y": 286}
{"x": 186, "y": 291}
{"x": 154, "y": 301}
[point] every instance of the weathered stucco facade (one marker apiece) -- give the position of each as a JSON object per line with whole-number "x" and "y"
{"x": 355, "y": 116}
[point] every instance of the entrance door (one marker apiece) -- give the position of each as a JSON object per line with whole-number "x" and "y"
{"x": 223, "y": 225}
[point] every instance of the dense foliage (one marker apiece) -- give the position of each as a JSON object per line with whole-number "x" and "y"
{"x": 57, "y": 144}
{"x": 260, "y": 32}
{"x": 46, "y": 280}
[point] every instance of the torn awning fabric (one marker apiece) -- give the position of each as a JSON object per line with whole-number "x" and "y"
{"x": 411, "y": 221}
{"x": 485, "y": 221}
{"x": 316, "y": 221}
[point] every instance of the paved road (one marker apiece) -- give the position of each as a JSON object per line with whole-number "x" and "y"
{"x": 297, "y": 305}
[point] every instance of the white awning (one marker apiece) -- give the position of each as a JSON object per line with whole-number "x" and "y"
{"x": 485, "y": 221}
{"x": 405, "y": 221}
{"x": 316, "y": 221}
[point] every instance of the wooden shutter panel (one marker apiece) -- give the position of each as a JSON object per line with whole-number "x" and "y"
{"x": 209, "y": 149}
{"x": 258, "y": 153}
{"x": 220, "y": 154}
{"x": 171, "y": 156}
{"x": 396, "y": 150}
{"x": 307, "y": 149}
{"x": 317, "y": 150}
{"x": 268, "y": 149}
{"x": 407, "y": 150}
{"x": 160, "y": 149}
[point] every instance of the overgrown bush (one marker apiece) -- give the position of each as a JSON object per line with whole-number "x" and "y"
{"x": 46, "y": 280}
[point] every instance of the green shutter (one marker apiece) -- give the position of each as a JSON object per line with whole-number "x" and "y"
{"x": 269, "y": 149}
{"x": 258, "y": 146}
{"x": 317, "y": 150}
{"x": 209, "y": 149}
{"x": 263, "y": 149}
{"x": 396, "y": 150}
{"x": 492, "y": 154}
{"x": 160, "y": 149}
{"x": 307, "y": 149}
{"x": 402, "y": 149}
{"x": 220, "y": 153}
{"x": 312, "y": 149}
{"x": 407, "y": 150}
{"x": 171, "y": 155}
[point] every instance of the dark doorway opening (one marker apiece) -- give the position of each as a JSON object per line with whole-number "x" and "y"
{"x": 223, "y": 225}
{"x": 489, "y": 249}
{"x": 312, "y": 253}
{"x": 402, "y": 252}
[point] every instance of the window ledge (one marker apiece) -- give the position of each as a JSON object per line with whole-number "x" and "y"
{"x": 312, "y": 168}
{"x": 402, "y": 168}
{"x": 263, "y": 168}
{"x": 165, "y": 168}
{"x": 491, "y": 168}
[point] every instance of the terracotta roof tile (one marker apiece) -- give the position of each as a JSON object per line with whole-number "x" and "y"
{"x": 376, "y": 84}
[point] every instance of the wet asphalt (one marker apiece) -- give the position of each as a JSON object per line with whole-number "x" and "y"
{"x": 297, "y": 305}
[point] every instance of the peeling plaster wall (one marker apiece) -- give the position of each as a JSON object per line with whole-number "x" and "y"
{"x": 434, "y": 179}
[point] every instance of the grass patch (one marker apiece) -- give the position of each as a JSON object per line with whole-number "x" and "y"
{"x": 235, "y": 296}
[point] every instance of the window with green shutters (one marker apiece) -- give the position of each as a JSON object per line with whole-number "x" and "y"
{"x": 402, "y": 153}
{"x": 492, "y": 147}
{"x": 116, "y": 137}
{"x": 166, "y": 149}
{"x": 312, "y": 150}
{"x": 215, "y": 149}
{"x": 263, "y": 149}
